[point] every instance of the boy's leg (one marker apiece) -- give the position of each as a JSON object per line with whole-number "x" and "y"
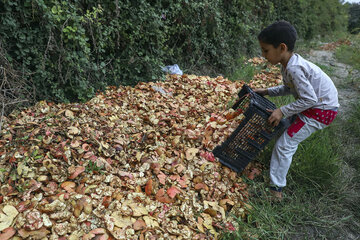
{"x": 287, "y": 145}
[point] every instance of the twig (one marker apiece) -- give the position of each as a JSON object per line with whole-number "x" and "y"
{"x": 2, "y": 115}
{"x": 47, "y": 49}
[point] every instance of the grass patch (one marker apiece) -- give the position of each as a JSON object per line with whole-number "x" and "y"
{"x": 350, "y": 137}
{"x": 349, "y": 54}
{"x": 245, "y": 71}
{"x": 303, "y": 46}
{"x": 315, "y": 162}
{"x": 327, "y": 69}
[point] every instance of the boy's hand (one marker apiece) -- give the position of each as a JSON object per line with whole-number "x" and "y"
{"x": 261, "y": 91}
{"x": 275, "y": 117}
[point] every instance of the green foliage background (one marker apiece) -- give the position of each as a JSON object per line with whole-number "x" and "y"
{"x": 354, "y": 18}
{"x": 71, "y": 49}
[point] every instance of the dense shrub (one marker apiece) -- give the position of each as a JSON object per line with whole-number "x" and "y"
{"x": 71, "y": 49}
{"x": 354, "y": 18}
{"x": 312, "y": 17}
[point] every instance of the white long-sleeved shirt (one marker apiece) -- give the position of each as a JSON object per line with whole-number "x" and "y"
{"x": 311, "y": 87}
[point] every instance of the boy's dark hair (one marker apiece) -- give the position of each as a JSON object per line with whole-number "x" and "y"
{"x": 279, "y": 32}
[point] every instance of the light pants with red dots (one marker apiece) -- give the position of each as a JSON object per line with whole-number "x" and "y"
{"x": 287, "y": 145}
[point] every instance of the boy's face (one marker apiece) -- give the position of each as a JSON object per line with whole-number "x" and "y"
{"x": 272, "y": 54}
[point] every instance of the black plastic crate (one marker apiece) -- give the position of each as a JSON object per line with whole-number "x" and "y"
{"x": 252, "y": 134}
{"x": 246, "y": 94}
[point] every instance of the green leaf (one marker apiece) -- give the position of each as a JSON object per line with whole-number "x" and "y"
{"x": 54, "y": 10}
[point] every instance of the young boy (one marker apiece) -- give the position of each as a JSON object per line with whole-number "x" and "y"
{"x": 316, "y": 98}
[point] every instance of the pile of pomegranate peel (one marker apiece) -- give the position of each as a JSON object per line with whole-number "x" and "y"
{"x": 131, "y": 163}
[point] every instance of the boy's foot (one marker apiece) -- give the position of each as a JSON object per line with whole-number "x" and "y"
{"x": 276, "y": 194}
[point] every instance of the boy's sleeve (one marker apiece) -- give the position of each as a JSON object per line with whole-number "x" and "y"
{"x": 281, "y": 90}
{"x": 305, "y": 92}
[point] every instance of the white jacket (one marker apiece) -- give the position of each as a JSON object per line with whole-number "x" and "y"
{"x": 311, "y": 87}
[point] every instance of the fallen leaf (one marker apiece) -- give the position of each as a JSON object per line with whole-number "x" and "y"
{"x": 162, "y": 177}
{"x": 180, "y": 168}
{"x": 79, "y": 206}
{"x": 7, "y": 233}
{"x": 211, "y": 212}
{"x": 199, "y": 224}
{"x": 87, "y": 207}
{"x": 98, "y": 234}
{"x": 69, "y": 113}
{"x": 215, "y": 206}
{"x": 254, "y": 172}
{"x": 47, "y": 140}
{"x": 148, "y": 187}
{"x": 230, "y": 227}
{"x": 37, "y": 234}
{"x": 106, "y": 201}
{"x": 138, "y": 210}
{"x": 191, "y": 153}
{"x": 139, "y": 225}
{"x": 55, "y": 206}
{"x": 68, "y": 186}
{"x": 75, "y": 171}
{"x": 183, "y": 181}
{"x": 200, "y": 186}
{"x": 208, "y": 156}
{"x": 162, "y": 197}
{"x": 122, "y": 221}
{"x": 73, "y": 130}
{"x": 126, "y": 174}
{"x": 208, "y": 224}
{"x": 22, "y": 169}
{"x": 223, "y": 203}
{"x": 151, "y": 222}
{"x": 75, "y": 144}
{"x": 175, "y": 177}
{"x": 85, "y": 147}
{"x": 172, "y": 191}
{"x": 7, "y": 217}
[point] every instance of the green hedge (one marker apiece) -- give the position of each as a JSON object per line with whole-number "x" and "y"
{"x": 71, "y": 49}
{"x": 354, "y": 18}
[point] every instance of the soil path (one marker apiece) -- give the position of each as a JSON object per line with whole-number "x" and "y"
{"x": 348, "y": 95}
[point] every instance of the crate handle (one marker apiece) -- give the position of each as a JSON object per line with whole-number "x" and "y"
{"x": 244, "y": 90}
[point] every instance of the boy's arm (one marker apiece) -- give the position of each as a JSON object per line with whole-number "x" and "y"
{"x": 273, "y": 91}
{"x": 281, "y": 90}
{"x": 306, "y": 94}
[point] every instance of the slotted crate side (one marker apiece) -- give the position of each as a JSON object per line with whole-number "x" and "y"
{"x": 247, "y": 140}
{"x": 227, "y": 153}
{"x": 243, "y": 103}
{"x": 253, "y": 133}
